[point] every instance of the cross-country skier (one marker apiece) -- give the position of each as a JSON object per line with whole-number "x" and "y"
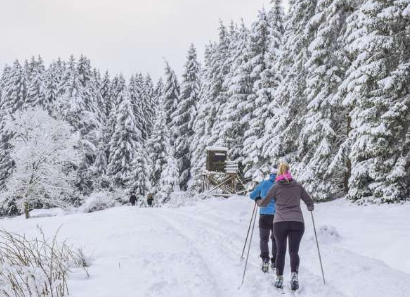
{"x": 266, "y": 216}
{"x": 150, "y": 199}
{"x": 133, "y": 199}
{"x": 288, "y": 223}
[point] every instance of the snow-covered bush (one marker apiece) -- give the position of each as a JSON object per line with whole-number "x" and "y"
{"x": 178, "y": 199}
{"x": 37, "y": 267}
{"x": 98, "y": 201}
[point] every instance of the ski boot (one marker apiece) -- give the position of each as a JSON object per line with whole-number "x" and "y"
{"x": 294, "y": 282}
{"x": 272, "y": 264}
{"x": 279, "y": 282}
{"x": 265, "y": 265}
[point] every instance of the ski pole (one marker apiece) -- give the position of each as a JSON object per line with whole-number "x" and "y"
{"x": 318, "y": 250}
{"x": 249, "y": 248}
{"x": 247, "y": 234}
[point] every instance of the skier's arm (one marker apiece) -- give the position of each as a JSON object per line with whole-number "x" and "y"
{"x": 265, "y": 201}
{"x": 256, "y": 193}
{"x": 306, "y": 198}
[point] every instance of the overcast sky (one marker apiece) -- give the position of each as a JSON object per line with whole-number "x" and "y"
{"x": 123, "y": 36}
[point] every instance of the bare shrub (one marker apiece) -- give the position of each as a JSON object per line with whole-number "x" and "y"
{"x": 36, "y": 267}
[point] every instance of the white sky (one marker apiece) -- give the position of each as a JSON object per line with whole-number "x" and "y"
{"x": 123, "y": 36}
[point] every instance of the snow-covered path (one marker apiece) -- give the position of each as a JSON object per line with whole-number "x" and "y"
{"x": 195, "y": 251}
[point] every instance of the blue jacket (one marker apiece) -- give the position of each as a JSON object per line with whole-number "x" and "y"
{"x": 261, "y": 191}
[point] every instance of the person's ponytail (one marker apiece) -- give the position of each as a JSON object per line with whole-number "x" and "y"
{"x": 283, "y": 169}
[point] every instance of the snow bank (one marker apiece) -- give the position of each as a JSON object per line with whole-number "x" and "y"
{"x": 192, "y": 248}
{"x": 98, "y": 201}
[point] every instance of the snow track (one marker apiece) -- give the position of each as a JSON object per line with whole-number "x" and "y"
{"x": 195, "y": 252}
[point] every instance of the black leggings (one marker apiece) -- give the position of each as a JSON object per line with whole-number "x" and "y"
{"x": 265, "y": 231}
{"x": 284, "y": 230}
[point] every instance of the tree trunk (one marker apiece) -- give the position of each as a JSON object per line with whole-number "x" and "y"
{"x": 348, "y": 162}
{"x": 26, "y": 209}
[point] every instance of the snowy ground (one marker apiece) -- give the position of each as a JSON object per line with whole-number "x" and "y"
{"x": 194, "y": 251}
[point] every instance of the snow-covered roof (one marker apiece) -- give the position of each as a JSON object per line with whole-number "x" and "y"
{"x": 217, "y": 148}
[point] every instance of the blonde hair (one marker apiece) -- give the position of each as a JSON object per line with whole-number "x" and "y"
{"x": 283, "y": 168}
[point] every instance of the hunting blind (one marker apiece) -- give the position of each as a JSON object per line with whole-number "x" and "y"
{"x": 220, "y": 177}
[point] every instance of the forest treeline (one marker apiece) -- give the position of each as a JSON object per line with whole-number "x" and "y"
{"x": 324, "y": 87}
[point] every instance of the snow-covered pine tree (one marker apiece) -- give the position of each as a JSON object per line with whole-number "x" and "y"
{"x": 217, "y": 91}
{"x": 171, "y": 93}
{"x": 201, "y": 126}
{"x": 73, "y": 106}
{"x": 6, "y": 163}
{"x": 184, "y": 115}
{"x": 158, "y": 92}
{"x": 169, "y": 181}
{"x": 283, "y": 128}
{"x": 124, "y": 143}
{"x": 14, "y": 92}
{"x": 239, "y": 87}
{"x": 105, "y": 92}
{"x": 36, "y": 85}
{"x": 140, "y": 181}
{"x": 90, "y": 92}
{"x": 51, "y": 83}
{"x": 99, "y": 168}
{"x": 136, "y": 91}
{"x": 376, "y": 93}
{"x": 13, "y": 97}
{"x": 158, "y": 147}
{"x": 322, "y": 121}
{"x": 150, "y": 103}
{"x": 256, "y": 108}
{"x": 213, "y": 96}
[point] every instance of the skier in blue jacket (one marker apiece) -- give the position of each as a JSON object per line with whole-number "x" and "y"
{"x": 266, "y": 216}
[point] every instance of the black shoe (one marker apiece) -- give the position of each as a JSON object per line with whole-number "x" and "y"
{"x": 294, "y": 282}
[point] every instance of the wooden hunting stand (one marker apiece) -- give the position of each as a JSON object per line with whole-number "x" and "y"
{"x": 221, "y": 176}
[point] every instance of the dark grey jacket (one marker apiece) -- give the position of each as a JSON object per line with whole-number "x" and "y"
{"x": 287, "y": 196}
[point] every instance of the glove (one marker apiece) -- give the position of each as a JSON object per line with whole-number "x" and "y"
{"x": 311, "y": 207}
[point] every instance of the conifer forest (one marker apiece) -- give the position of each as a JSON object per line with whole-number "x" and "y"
{"x": 324, "y": 86}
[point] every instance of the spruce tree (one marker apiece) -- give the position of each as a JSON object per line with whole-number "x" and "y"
{"x": 14, "y": 93}
{"x": 217, "y": 92}
{"x": 239, "y": 87}
{"x": 51, "y": 83}
{"x": 158, "y": 147}
{"x": 283, "y": 128}
{"x": 263, "y": 46}
{"x": 171, "y": 93}
{"x": 322, "y": 120}
{"x": 376, "y": 92}
{"x": 202, "y": 126}
{"x": 184, "y": 115}
{"x": 124, "y": 143}
{"x": 36, "y": 87}
{"x": 140, "y": 183}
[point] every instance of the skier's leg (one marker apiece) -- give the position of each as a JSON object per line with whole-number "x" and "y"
{"x": 273, "y": 260}
{"x": 264, "y": 242}
{"x": 281, "y": 233}
{"x": 295, "y": 237}
{"x": 264, "y": 232}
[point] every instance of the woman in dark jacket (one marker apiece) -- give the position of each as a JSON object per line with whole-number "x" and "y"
{"x": 288, "y": 222}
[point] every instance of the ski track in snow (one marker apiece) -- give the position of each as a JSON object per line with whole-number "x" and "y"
{"x": 216, "y": 234}
{"x": 195, "y": 251}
